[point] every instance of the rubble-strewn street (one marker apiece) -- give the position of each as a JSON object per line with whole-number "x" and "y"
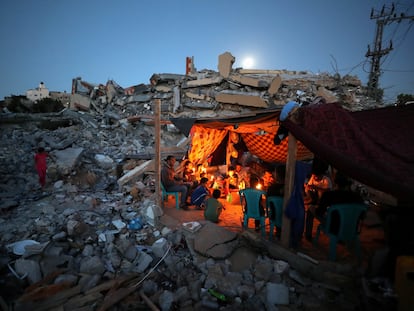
{"x": 89, "y": 242}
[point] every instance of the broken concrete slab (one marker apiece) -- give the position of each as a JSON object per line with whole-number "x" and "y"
{"x": 201, "y": 82}
{"x": 241, "y": 99}
{"x": 225, "y": 63}
{"x": 214, "y": 241}
{"x": 166, "y": 77}
{"x": 255, "y": 82}
{"x": 67, "y": 159}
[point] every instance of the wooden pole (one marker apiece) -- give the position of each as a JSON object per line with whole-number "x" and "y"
{"x": 289, "y": 182}
{"x": 157, "y": 156}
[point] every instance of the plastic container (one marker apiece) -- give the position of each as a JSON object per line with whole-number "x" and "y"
{"x": 135, "y": 224}
{"x": 404, "y": 282}
{"x": 229, "y": 198}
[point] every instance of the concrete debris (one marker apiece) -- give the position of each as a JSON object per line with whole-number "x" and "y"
{"x": 228, "y": 91}
{"x": 101, "y": 236}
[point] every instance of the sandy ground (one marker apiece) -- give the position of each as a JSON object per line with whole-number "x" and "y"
{"x": 372, "y": 235}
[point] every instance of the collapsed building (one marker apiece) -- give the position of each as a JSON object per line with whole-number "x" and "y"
{"x": 229, "y": 91}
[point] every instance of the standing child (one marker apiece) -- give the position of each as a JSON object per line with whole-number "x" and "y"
{"x": 200, "y": 194}
{"x": 213, "y": 207}
{"x": 41, "y": 165}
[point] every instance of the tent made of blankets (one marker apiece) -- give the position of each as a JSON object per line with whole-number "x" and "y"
{"x": 374, "y": 147}
{"x": 256, "y": 129}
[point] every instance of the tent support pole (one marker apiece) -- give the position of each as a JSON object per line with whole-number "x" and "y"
{"x": 157, "y": 159}
{"x": 289, "y": 181}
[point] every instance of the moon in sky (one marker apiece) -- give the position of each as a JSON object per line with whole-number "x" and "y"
{"x": 248, "y": 63}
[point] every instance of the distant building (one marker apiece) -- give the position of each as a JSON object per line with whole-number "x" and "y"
{"x": 38, "y": 93}
{"x": 63, "y": 97}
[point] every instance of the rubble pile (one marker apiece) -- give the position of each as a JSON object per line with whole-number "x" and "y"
{"x": 209, "y": 93}
{"x": 86, "y": 242}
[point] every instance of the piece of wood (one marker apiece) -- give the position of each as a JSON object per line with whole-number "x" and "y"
{"x": 157, "y": 152}
{"x": 45, "y": 291}
{"x": 149, "y": 303}
{"x": 103, "y": 287}
{"x": 49, "y": 302}
{"x": 81, "y": 300}
{"x": 115, "y": 297}
{"x": 135, "y": 172}
{"x": 307, "y": 257}
{"x": 46, "y": 280}
{"x": 289, "y": 183}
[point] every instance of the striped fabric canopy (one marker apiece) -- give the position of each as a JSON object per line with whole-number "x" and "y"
{"x": 257, "y": 131}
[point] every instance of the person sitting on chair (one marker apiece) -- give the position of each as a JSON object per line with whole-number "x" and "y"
{"x": 318, "y": 183}
{"x": 171, "y": 183}
{"x": 341, "y": 194}
{"x": 277, "y": 187}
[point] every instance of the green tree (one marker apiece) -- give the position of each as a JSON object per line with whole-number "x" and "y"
{"x": 47, "y": 105}
{"x": 403, "y": 98}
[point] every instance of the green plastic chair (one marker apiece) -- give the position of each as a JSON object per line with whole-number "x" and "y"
{"x": 350, "y": 220}
{"x": 275, "y": 220}
{"x": 252, "y": 199}
{"x": 166, "y": 193}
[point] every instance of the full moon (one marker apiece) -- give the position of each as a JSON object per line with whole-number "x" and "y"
{"x": 248, "y": 63}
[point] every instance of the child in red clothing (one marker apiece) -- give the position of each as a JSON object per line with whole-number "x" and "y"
{"x": 41, "y": 165}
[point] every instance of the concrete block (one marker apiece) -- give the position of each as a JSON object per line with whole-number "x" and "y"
{"x": 226, "y": 61}
{"x": 275, "y": 85}
{"x": 277, "y": 294}
{"x": 159, "y": 247}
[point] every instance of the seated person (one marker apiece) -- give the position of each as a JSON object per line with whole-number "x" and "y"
{"x": 200, "y": 194}
{"x": 233, "y": 178}
{"x": 318, "y": 183}
{"x": 189, "y": 176}
{"x": 277, "y": 189}
{"x": 188, "y": 173}
{"x": 341, "y": 194}
{"x": 243, "y": 176}
{"x": 171, "y": 183}
{"x": 213, "y": 207}
{"x": 267, "y": 179}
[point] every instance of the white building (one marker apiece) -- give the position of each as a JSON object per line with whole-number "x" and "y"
{"x": 37, "y": 93}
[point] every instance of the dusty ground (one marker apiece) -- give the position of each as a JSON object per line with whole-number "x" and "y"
{"x": 372, "y": 235}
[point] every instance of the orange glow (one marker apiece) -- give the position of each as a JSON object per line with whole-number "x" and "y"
{"x": 259, "y": 186}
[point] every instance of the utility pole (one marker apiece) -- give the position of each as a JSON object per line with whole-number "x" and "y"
{"x": 383, "y": 18}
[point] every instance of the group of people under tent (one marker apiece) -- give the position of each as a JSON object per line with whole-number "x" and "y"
{"x": 324, "y": 187}
{"x": 193, "y": 192}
